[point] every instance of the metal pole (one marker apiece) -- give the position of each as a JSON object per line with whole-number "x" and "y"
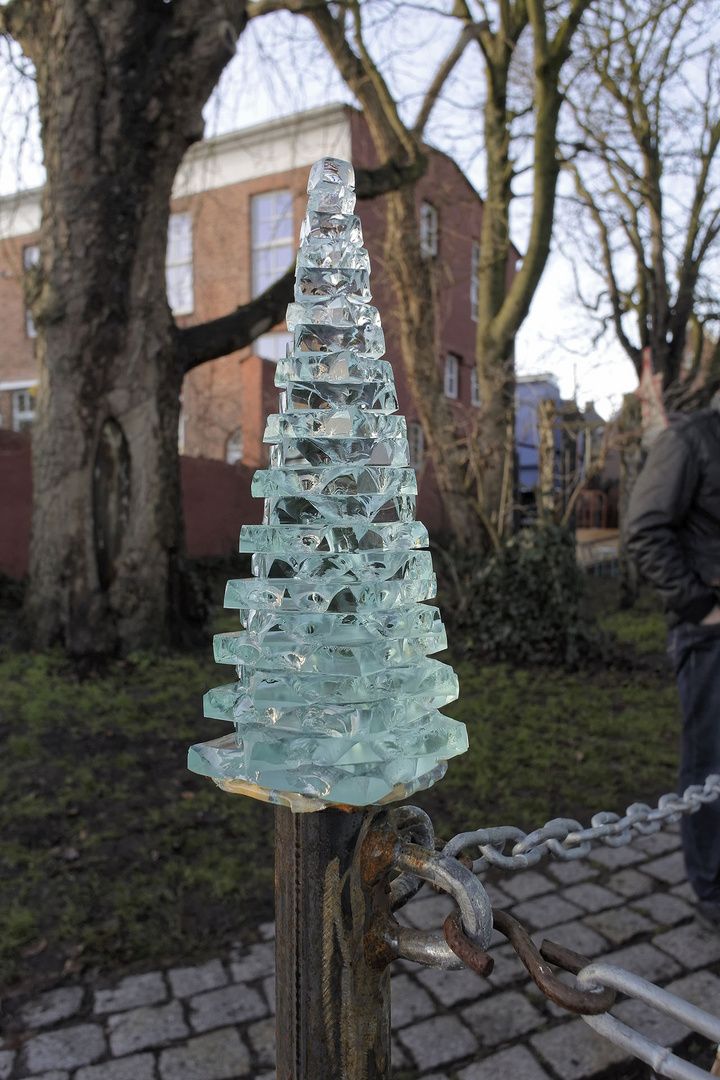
{"x": 333, "y": 1011}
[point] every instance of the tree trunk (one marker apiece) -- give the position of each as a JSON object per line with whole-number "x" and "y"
{"x": 121, "y": 91}
{"x": 495, "y": 356}
{"x": 631, "y": 462}
{"x": 412, "y": 278}
{"x": 546, "y": 496}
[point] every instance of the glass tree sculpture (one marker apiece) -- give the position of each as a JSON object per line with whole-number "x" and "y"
{"x": 337, "y": 698}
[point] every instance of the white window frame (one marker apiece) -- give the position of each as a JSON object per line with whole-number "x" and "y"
{"x": 416, "y": 444}
{"x": 429, "y": 222}
{"x": 474, "y": 279}
{"x": 235, "y": 453}
{"x": 273, "y": 346}
{"x": 475, "y": 399}
{"x": 179, "y": 278}
{"x": 30, "y": 258}
{"x": 451, "y": 377}
{"x": 21, "y": 414}
{"x": 281, "y": 245}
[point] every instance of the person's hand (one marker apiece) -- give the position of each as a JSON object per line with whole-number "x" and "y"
{"x": 713, "y": 617}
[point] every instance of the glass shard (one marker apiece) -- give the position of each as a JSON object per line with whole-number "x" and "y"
{"x": 348, "y": 424}
{"x": 338, "y": 395}
{"x": 339, "y": 228}
{"x": 291, "y": 539}
{"x": 332, "y": 367}
{"x": 289, "y": 510}
{"x": 345, "y": 566}
{"x": 299, "y": 452}
{"x": 332, "y": 311}
{"x": 268, "y": 594}
{"x": 338, "y": 480}
{"x": 316, "y": 281}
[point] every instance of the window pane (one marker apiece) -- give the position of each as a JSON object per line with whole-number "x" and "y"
{"x": 180, "y": 250}
{"x": 179, "y": 247}
{"x": 179, "y": 264}
{"x": 451, "y": 376}
{"x": 273, "y": 241}
{"x": 31, "y": 256}
{"x": 416, "y": 443}
{"x": 269, "y": 264}
{"x": 474, "y": 279}
{"x": 272, "y": 346}
{"x": 179, "y": 281}
{"x": 475, "y": 389}
{"x": 428, "y": 229}
{"x": 23, "y": 408}
{"x": 234, "y": 447}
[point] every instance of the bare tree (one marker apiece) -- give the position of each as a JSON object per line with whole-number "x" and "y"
{"x": 501, "y": 310}
{"x": 497, "y": 29}
{"x": 121, "y": 88}
{"x": 643, "y": 153}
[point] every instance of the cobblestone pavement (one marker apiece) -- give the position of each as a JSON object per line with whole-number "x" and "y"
{"x": 630, "y": 905}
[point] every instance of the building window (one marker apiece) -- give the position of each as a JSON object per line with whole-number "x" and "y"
{"x": 179, "y": 265}
{"x": 234, "y": 447}
{"x": 30, "y": 258}
{"x": 273, "y": 346}
{"x": 273, "y": 242}
{"x": 428, "y": 230}
{"x": 452, "y": 367}
{"x": 474, "y": 280}
{"x": 416, "y": 443}
{"x": 23, "y": 408}
{"x": 475, "y": 398}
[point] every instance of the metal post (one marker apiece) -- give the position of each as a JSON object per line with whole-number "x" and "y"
{"x": 333, "y": 1011}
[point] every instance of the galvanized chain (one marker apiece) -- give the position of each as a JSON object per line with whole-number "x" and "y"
{"x": 566, "y": 839}
{"x": 413, "y": 859}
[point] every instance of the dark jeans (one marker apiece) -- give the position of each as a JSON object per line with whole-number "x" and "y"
{"x": 695, "y": 653}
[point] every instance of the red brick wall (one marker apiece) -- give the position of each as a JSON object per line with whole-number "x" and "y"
{"x": 216, "y": 500}
{"x": 15, "y": 507}
{"x": 227, "y": 394}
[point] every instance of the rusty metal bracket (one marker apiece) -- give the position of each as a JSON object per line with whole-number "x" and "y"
{"x": 386, "y": 853}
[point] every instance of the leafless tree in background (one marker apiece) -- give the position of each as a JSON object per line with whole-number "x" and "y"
{"x": 642, "y": 149}
{"x": 520, "y": 49}
{"x": 121, "y": 89}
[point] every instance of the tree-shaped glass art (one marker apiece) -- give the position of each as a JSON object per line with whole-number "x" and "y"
{"x": 337, "y": 698}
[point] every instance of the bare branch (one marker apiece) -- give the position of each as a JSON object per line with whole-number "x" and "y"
{"x": 218, "y": 337}
{"x": 468, "y": 33}
{"x": 614, "y": 291}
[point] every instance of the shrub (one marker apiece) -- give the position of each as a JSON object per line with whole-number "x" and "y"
{"x": 522, "y": 603}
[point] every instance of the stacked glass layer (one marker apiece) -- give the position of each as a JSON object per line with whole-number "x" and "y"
{"x": 336, "y": 699}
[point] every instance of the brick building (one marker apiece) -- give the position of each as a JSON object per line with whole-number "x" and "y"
{"x": 237, "y": 206}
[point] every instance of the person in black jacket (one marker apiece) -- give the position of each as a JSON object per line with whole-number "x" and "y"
{"x": 673, "y": 532}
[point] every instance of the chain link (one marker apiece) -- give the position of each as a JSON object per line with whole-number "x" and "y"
{"x": 566, "y": 839}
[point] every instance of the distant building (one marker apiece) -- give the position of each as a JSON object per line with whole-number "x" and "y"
{"x": 530, "y": 390}
{"x": 237, "y": 205}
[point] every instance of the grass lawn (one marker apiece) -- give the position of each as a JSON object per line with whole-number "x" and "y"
{"x": 113, "y": 856}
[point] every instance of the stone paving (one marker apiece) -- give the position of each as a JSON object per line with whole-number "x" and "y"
{"x": 629, "y": 905}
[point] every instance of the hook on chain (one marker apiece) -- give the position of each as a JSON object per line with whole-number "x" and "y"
{"x": 385, "y": 852}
